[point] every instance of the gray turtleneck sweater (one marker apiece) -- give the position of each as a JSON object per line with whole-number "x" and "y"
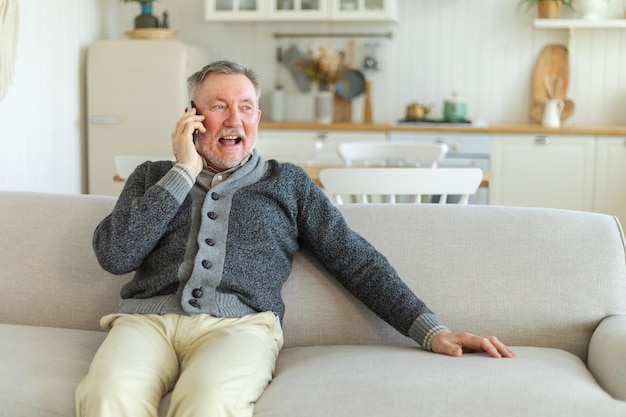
{"x": 223, "y": 244}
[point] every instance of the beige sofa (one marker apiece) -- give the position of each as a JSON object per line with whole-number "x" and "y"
{"x": 550, "y": 283}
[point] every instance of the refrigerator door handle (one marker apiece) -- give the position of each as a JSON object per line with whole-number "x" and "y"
{"x": 104, "y": 120}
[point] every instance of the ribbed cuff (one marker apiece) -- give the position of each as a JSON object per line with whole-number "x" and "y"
{"x": 178, "y": 182}
{"x": 424, "y": 328}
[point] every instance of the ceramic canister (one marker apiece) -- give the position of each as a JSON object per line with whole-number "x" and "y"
{"x": 454, "y": 109}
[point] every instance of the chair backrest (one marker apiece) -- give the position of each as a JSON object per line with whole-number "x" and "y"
{"x": 295, "y": 151}
{"x": 126, "y": 164}
{"x": 413, "y": 154}
{"x": 419, "y": 184}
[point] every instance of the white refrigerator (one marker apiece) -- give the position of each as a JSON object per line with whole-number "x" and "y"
{"x": 136, "y": 90}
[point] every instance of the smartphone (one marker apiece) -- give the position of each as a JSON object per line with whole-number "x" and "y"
{"x": 196, "y": 132}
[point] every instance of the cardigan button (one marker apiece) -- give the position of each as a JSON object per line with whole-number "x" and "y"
{"x": 215, "y": 196}
{"x": 206, "y": 264}
{"x": 209, "y": 242}
{"x": 196, "y": 293}
{"x": 194, "y": 303}
{"x": 212, "y": 215}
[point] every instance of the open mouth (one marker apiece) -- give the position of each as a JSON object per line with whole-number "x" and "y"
{"x": 230, "y": 140}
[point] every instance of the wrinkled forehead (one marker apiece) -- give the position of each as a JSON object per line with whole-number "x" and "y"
{"x": 228, "y": 87}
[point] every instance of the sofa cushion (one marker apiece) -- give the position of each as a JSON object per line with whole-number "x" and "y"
{"x": 46, "y": 365}
{"x": 41, "y": 367}
{"x": 377, "y": 381}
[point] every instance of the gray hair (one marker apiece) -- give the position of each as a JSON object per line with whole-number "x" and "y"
{"x": 221, "y": 67}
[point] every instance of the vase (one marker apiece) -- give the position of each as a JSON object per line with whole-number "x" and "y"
{"x": 552, "y": 112}
{"x": 548, "y": 9}
{"x": 278, "y": 104}
{"x": 323, "y": 97}
{"x": 590, "y": 9}
{"x": 146, "y": 19}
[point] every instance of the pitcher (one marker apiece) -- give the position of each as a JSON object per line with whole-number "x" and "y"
{"x": 552, "y": 112}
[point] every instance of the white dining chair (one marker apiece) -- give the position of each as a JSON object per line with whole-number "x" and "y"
{"x": 126, "y": 164}
{"x": 392, "y": 154}
{"x": 365, "y": 185}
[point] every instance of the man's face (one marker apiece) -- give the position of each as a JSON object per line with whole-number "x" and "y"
{"x": 231, "y": 117}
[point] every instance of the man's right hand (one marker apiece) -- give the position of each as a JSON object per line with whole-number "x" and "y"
{"x": 182, "y": 141}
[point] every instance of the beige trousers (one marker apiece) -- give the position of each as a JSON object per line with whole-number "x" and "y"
{"x": 215, "y": 367}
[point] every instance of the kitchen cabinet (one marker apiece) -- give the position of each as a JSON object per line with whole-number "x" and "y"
{"x": 290, "y": 10}
{"x": 364, "y": 10}
{"x": 610, "y": 178}
{"x": 327, "y": 140}
{"x": 543, "y": 171}
{"x": 234, "y": 10}
{"x": 301, "y": 10}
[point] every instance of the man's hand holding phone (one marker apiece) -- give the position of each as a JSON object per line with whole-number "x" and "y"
{"x": 185, "y": 137}
{"x": 196, "y": 132}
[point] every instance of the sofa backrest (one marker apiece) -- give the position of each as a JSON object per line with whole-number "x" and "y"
{"x": 49, "y": 275}
{"x": 535, "y": 277}
{"x": 531, "y": 276}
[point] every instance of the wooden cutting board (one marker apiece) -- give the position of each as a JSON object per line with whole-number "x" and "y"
{"x": 342, "y": 109}
{"x": 553, "y": 61}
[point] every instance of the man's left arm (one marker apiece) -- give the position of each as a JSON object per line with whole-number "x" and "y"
{"x": 362, "y": 268}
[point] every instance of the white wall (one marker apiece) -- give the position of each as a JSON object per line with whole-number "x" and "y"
{"x": 480, "y": 48}
{"x": 42, "y": 116}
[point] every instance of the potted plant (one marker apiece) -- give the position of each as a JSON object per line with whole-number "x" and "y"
{"x": 146, "y": 19}
{"x": 324, "y": 69}
{"x": 548, "y": 9}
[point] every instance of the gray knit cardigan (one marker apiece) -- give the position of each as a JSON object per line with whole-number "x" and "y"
{"x": 227, "y": 250}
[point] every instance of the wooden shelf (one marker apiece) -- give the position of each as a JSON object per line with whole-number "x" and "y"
{"x": 573, "y": 24}
{"x": 580, "y": 24}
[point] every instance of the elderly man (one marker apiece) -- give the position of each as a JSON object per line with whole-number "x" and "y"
{"x": 210, "y": 239}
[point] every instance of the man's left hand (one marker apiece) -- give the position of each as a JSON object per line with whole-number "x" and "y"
{"x": 455, "y": 344}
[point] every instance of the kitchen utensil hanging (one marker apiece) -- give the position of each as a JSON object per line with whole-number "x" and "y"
{"x": 290, "y": 60}
{"x": 370, "y": 61}
{"x": 352, "y": 84}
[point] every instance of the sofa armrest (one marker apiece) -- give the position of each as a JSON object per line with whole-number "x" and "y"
{"x": 607, "y": 355}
